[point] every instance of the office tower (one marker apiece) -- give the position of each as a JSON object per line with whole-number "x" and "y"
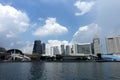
{"x": 62, "y": 49}
{"x": 113, "y": 44}
{"x": 43, "y": 48}
{"x": 67, "y": 50}
{"x": 96, "y": 45}
{"x": 37, "y": 48}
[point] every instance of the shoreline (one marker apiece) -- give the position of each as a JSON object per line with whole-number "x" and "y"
{"x": 62, "y": 61}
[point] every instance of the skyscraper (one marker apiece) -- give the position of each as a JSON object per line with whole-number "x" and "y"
{"x": 43, "y": 48}
{"x": 62, "y": 50}
{"x": 96, "y": 45}
{"x": 38, "y": 48}
{"x": 113, "y": 44}
{"x": 67, "y": 50}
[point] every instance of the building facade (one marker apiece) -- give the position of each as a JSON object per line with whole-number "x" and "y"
{"x": 96, "y": 45}
{"x": 56, "y": 50}
{"x": 82, "y": 48}
{"x": 43, "y": 48}
{"x": 113, "y": 44}
{"x": 38, "y": 48}
{"x": 63, "y": 49}
{"x": 67, "y": 51}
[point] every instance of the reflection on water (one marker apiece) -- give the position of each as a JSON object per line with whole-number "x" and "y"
{"x": 60, "y": 71}
{"x": 36, "y": 71}
{"x": 14, "y": 71}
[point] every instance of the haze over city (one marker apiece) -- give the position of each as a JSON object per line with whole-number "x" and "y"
{"x": 57, "y": 21}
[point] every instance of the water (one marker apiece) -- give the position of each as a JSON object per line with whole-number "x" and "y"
{"x": 60, "y": 71}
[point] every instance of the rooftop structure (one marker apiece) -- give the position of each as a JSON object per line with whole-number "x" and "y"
{"x": 15, "y": 54}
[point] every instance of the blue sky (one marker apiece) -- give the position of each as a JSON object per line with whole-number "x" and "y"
{"x": 23, "y": 21}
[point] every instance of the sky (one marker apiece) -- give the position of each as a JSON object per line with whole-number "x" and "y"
{"x": 56, "y": 21}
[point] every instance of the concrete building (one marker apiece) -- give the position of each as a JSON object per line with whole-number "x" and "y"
{"x": 96, "y": 45}
{"x": 67, "y": 51}
{"x": 113, "y": 44}
{"x": 43, "y": 48}
{"x": 63, "y": 49}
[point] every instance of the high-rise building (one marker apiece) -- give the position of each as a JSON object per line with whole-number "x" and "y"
{"x": 62, "y": 49}
{"x": 96, "y": 45}
{"x": 43, "y": 48}
{"x": 38, "y": 48}
{"x": 67, "y": 50}
{"x": 113, "y": 44}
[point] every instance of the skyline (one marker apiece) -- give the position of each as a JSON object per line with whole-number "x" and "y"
{"x": 56, "y": 21}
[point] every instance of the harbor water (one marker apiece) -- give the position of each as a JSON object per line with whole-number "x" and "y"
{"x": 59, "y": 71}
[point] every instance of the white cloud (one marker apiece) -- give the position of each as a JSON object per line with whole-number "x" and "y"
{"x": 83, "y": 7}
{"x": 108, "y": 16}
{"x": 57, "y": 42}
{"x": 27, "y": 48}
{"x": 12, "y": 21}
{"x": 10, "y": 34}
{"x": 40, "y": 19}
{"x": 85, "y": 33}
{"x": 51, "y": 28}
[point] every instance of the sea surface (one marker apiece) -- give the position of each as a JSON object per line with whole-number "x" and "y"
{"x": 60, "y": 71}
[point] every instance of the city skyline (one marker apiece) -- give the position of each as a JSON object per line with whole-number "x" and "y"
{"x": 56, "y": 21}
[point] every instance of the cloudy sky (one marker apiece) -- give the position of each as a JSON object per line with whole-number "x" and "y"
{"x": 56, "y": 21}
